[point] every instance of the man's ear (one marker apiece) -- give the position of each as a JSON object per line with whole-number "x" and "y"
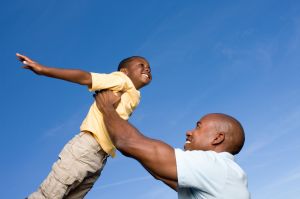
{"x": 124, "y": 70}
{"x": 219, "y": 138}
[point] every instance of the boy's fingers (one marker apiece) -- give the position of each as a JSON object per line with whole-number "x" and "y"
{"x": 24, "y": 61}
{"x": 23, "y": 57}
{"x": 20, "y": 56}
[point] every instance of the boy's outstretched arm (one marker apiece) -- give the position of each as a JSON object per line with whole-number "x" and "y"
{"x": 71, "y": 75}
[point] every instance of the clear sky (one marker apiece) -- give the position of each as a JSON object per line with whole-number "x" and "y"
{"x": 235, "y": 57}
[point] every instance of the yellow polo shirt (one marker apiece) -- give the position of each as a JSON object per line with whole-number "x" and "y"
{"x": 117, "y": 82}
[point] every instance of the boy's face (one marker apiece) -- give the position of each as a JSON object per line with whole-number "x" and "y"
{"x": 138, "y": 70}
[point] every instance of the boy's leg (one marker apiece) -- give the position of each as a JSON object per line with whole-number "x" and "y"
{"x": 84, "y": 187}
{"x": 81, "y": 157}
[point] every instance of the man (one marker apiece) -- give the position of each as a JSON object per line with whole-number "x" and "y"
{"x": 206, "y": 169}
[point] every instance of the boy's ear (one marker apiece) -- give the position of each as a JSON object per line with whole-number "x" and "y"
{"x": 124, "y": 70}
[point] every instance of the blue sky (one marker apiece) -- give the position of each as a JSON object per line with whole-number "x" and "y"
{"x": 235, "y": 57}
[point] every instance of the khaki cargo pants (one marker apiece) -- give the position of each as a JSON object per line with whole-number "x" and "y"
{"x": 79, "y": 165}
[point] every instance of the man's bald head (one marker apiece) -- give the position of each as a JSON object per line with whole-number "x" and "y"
{"x": 234, "y": 136}
{"x": 217, "y": 132}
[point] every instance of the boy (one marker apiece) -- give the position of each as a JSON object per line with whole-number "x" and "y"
{"x": 82, "y": 159}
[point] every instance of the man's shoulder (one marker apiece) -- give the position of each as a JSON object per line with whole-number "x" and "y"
{"x": 199, "y": 152}
{"x": 199, "y": 155}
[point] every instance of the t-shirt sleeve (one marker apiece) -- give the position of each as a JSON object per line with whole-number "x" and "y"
{"x": 111, "y": 81}
{"x": 127, "y": 106}
{"x": 199, "y": 170}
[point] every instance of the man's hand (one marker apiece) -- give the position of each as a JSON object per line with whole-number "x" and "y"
{"x": 30, "y": 64}
{"x": 106, "y": 100}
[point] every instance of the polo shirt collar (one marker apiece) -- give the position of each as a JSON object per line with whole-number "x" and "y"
{"x": 227, "y": 155}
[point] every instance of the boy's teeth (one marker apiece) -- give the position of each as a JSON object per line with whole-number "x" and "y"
{"x": 145, "y": 75}
{"x": 187, "y": 142}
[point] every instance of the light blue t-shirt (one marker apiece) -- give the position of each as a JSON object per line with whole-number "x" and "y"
{"x": 209, "y": 175}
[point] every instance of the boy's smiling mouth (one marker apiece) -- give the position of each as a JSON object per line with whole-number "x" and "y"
{"x": 145, "y": 75}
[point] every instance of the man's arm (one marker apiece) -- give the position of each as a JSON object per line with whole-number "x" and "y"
{"x": 157, "y": 157}
{"x": 171, "y": 183}
{"x": 71, "y": 75}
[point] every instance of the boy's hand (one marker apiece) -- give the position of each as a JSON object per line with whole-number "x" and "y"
{"x": 30, "y": 64}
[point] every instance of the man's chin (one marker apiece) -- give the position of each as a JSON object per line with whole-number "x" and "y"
{"x": 186, "y": 148}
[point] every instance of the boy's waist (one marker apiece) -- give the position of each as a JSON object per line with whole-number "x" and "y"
{"x": 101, "y": 138}
{"x": 91, "y": 139}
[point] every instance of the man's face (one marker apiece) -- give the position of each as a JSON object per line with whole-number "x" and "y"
{"x": 138, "y": 70}
{"x": 201, "y": 137}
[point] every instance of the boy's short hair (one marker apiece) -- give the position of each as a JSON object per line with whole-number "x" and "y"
{"x": 124, "y": 62}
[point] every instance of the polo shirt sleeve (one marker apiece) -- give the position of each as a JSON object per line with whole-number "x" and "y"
{"x": 112, "y": 81}
{"x": 199, "y": 170}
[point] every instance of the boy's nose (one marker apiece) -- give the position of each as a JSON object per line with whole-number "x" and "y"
{"x": 147, "y": 68}
{"x": 189, "y": 133}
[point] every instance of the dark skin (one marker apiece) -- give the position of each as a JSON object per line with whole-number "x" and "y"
{"x": 71, "y": 75}
{"x": 212, "y": 132}
{"x": 157, "y": 157}
{"x": 138, "y": 70}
